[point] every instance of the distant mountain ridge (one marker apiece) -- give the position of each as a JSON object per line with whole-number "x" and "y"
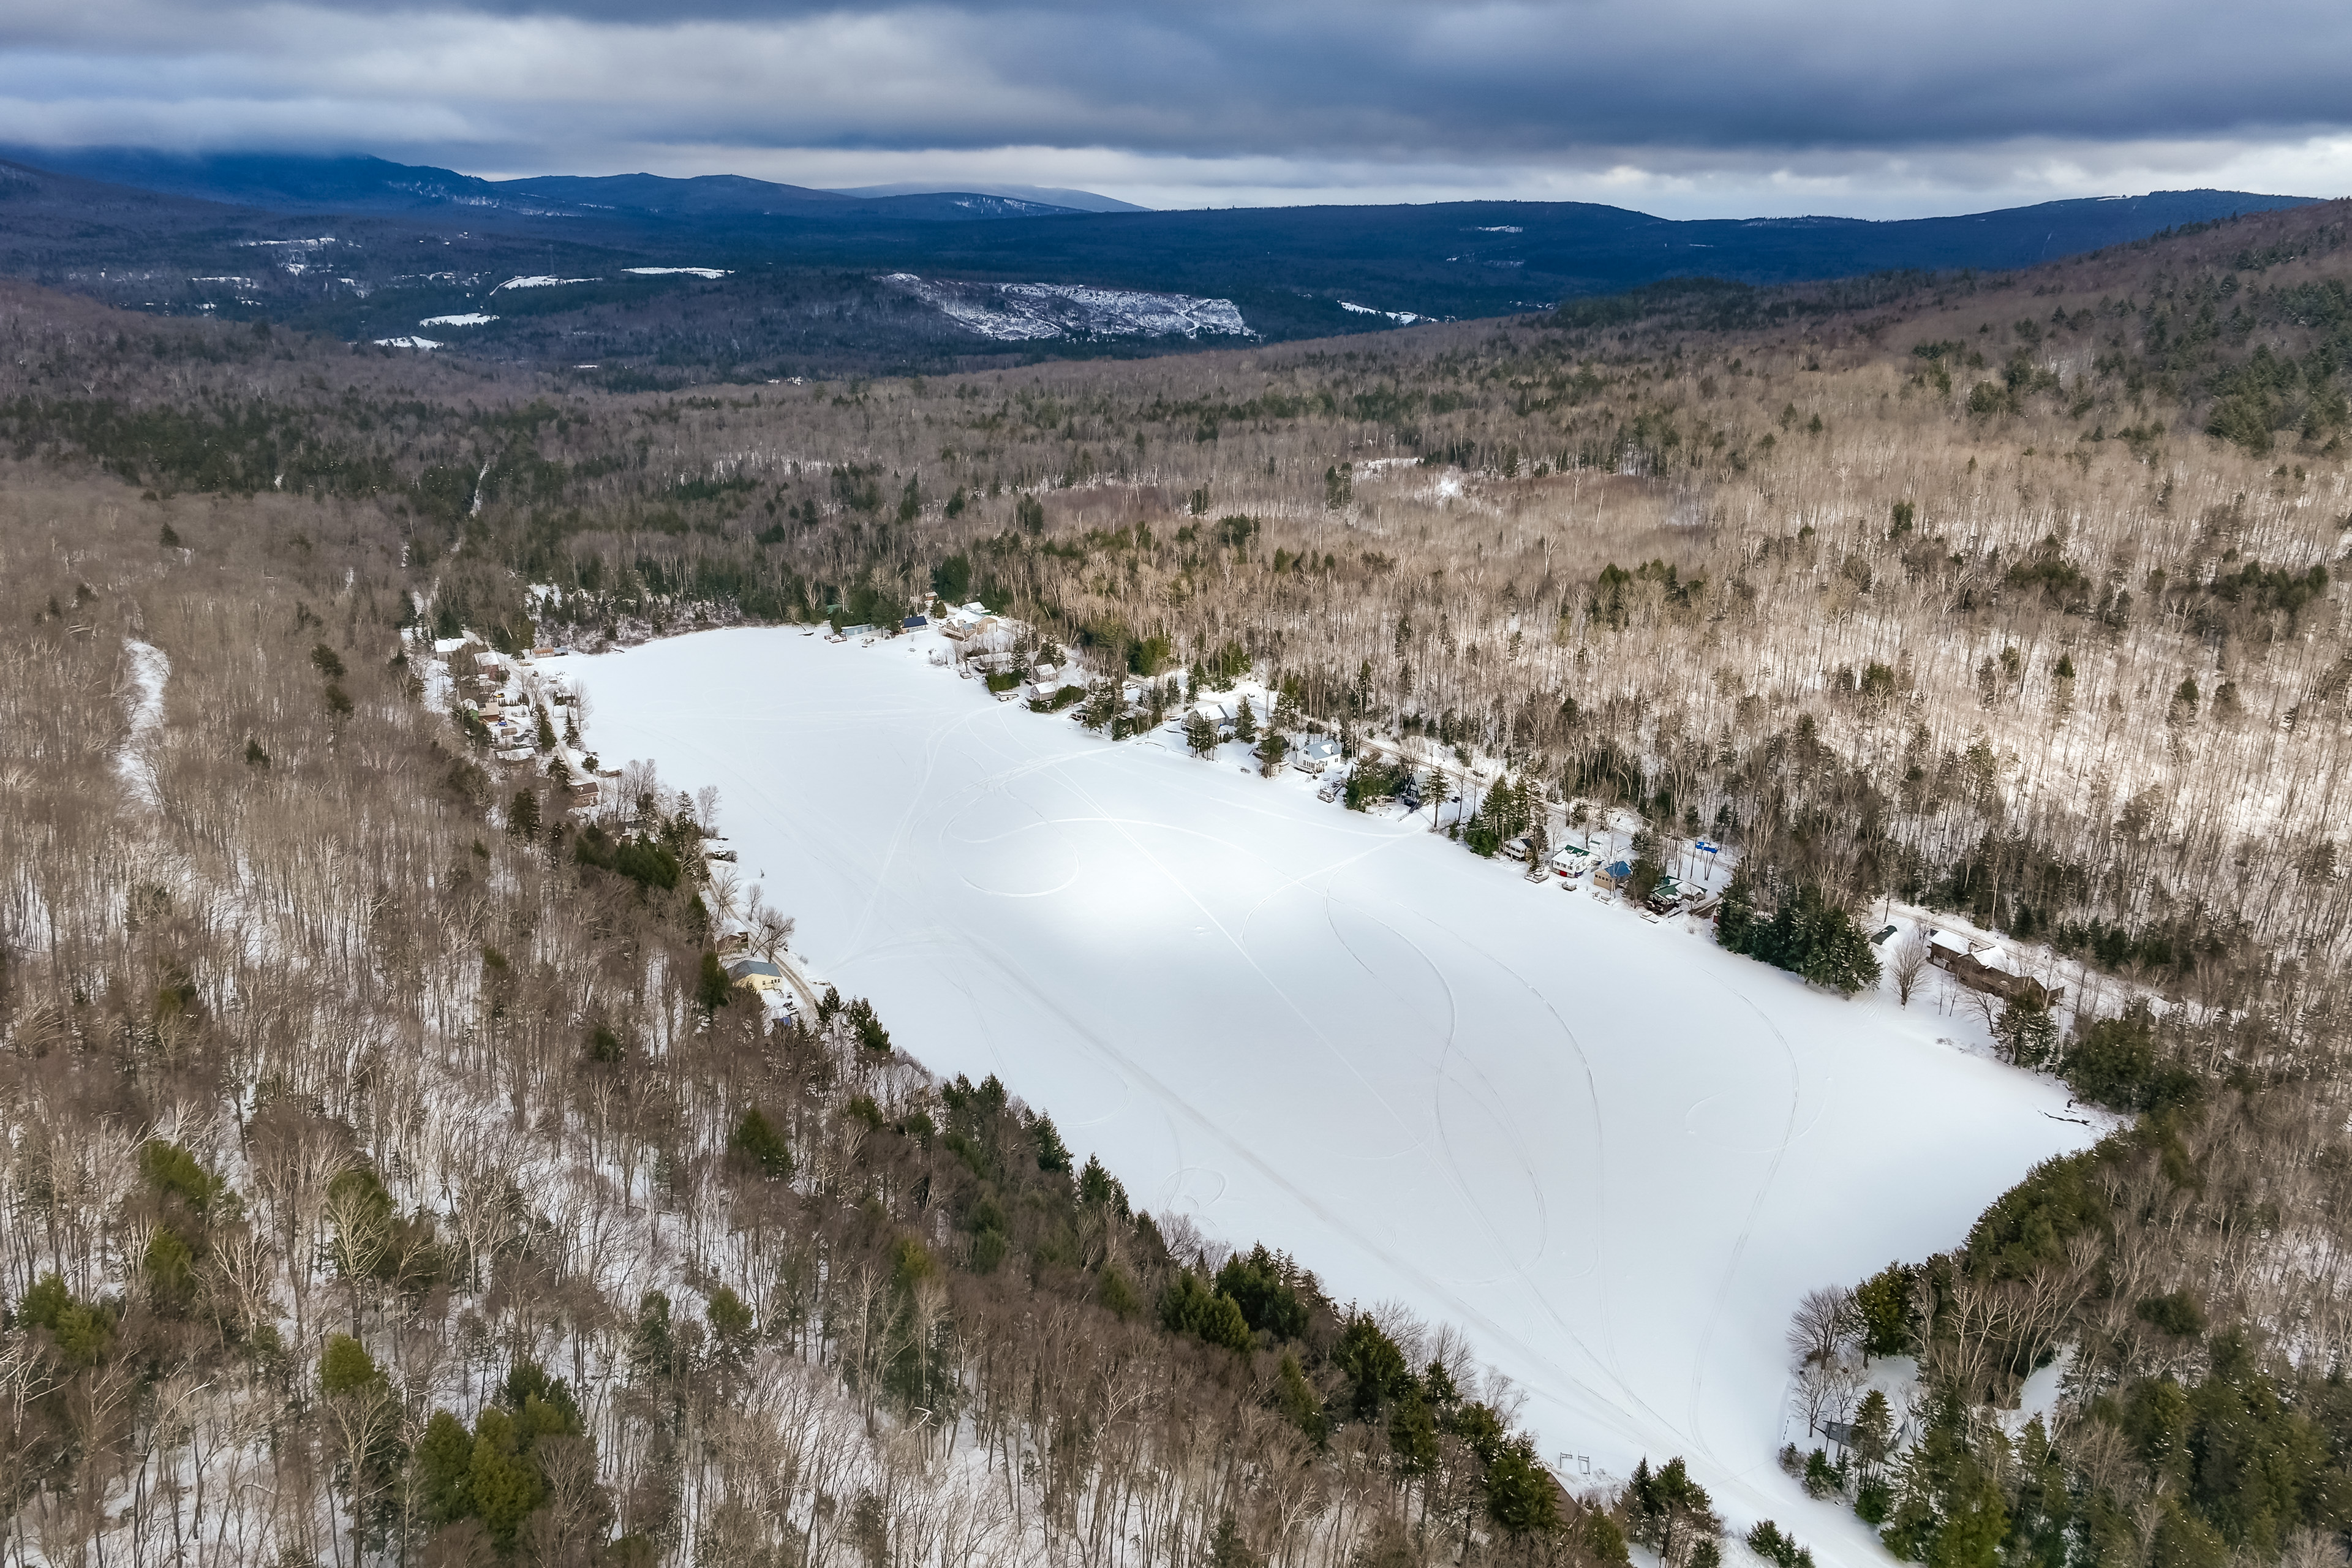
{"x": 723, "y": 274}
{"x": 288, "y": 183}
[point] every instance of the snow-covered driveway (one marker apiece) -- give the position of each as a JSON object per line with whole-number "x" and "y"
{"x": 1613, "y": 1154}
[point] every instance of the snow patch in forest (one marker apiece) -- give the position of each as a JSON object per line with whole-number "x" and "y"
{"x": 408, "y": 342}
{"x": 1019, "y": 312}
{"x": 1401, "y": 318}
{"x": 470, "y": 318}
{"x": 150, "y": 668}
{"x": 1614, "y": 1153}
{"x": 712, "y": 272}
{"x": 537, "y": 282}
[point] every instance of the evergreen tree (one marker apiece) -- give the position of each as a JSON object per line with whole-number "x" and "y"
{"x": 1097, "y": 1188}
{"x": 1101, "y": 708}
{"x": 1809, "y": 933}
{"x": 1244, "y": 722}
{"x": 1375, "y": 1369}
{"x": 1189, "y": 1307}
{"x": 1412, "y": 1434}
{"x": 1736, "y": 917}
{"x": 1270, "y": 751}
{"x": 1053, "y": 1154}
{"x": 1873, "y": 1432}
{"x": 868, "y": 1029}
{"x": 2028, "y": 1034}
{"x": 1200, "y": 733}
{"x": 1297, "y": 1399}
{"x": 2044, "y": 1514}
{"x": 1950, "y": 1511}
{"x": 714, "y": 990}
{"x": 1882, "y": 1302}
{"x": 1266, "y": 1286}
{"x": 1521, "y": 1496}
{"x": 1646, "y": 873}
{"x": 1437, "y": 792}
{"x": 1286, "y": 704}
{"x": 756, "y": 1142}
{"x": 1671, "y": 1513}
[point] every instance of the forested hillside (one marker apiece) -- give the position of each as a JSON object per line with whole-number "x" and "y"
{"x": 664, "y": 282}
{"x": 383, "y": 1178}
{"x": 1982, "y": 590}
{"x": 390, "y": 1174}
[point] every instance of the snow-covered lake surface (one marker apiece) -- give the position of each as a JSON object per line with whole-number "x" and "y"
{"x": 1612, "y": 1152}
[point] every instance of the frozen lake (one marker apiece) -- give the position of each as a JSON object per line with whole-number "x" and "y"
{"x": 1612, "y": 1152}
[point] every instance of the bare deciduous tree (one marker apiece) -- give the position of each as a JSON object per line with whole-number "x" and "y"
{"x": 1822, "y": 1324}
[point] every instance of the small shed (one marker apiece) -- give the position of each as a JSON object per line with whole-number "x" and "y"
{"x": 1614, "y": 875}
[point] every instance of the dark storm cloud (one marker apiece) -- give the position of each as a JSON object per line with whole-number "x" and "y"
{"x": 1698, "y": 84}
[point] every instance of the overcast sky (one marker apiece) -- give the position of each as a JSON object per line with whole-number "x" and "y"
{"x": 1684, "y": 108}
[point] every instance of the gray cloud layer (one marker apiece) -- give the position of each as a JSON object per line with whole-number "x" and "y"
{"x": 1683, "y": 102}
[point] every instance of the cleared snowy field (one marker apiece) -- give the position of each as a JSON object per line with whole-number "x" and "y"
{"x": 1019, "y": 312}
{"x": 1613, "y": 1154}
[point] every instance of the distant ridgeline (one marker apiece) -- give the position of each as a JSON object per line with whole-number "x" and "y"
{"x": 747, "y": 279}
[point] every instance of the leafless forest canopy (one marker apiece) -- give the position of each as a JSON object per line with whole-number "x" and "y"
{"x": 383, "y": 1178}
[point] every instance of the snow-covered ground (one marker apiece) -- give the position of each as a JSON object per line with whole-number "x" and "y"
{"x": 540, "y": 282}
{"x": 407, "y": 342}
{"x": 1612, "y": 1152}
{"x": 1401, "y": 318}
{"x": 468, "y": 319}
{"x": 1016, "y": 312}
{"x": 708, "y": 272}
{"x": 147, "y": 668}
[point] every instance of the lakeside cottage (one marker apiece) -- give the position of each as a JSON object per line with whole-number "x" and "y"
{"x": 755, "y": 973}
{"x": 1987, "y": 967}
{"x": 1318, "y": 752}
